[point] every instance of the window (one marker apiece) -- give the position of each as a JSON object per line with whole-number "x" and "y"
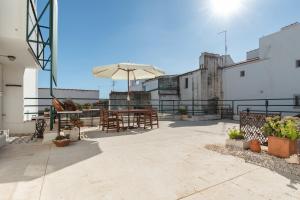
{"x": 297, "y": 100}
{"x": 242, "y": 73}
{"x": 297, "y": 63}
{"x": 186, "y": 83}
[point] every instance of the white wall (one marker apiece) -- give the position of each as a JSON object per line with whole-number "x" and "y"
{"x": 30, "y": 91}
{"x": 274, "y": 76}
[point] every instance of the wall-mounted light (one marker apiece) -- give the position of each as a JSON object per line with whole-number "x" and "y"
{"x": 11, "y": 58}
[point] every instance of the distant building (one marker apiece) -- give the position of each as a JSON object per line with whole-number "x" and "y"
{"x": 138, "y": 99}
{"x": 79, "y": 96}
{"x": 163, "y": 90}
{"x": 270, "y": 72}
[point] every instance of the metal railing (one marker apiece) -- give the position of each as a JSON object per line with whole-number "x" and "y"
{"x": 225, "y": 108}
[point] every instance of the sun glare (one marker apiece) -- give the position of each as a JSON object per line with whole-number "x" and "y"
{"x": 225, "y": 8}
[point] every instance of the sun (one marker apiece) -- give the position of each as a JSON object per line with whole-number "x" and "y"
{"x": 225, "y": 8}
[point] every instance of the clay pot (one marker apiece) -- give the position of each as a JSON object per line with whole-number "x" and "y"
{"x": 281, "y": 147}
{"x": 62, "y": 143}
{"x": 254, "y": 146}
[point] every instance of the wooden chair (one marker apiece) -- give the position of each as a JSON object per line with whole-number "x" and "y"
{"x": 149, "y": 119}
{"x": 108, "y": 121}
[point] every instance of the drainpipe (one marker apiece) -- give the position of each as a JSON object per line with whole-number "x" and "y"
{"x": 1, "y": 96}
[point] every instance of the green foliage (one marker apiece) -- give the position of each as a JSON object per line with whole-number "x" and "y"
{"x": 182, "y": 111}
{"x": 61, "y": 137}
{"x": 289, "y": 129}
{"x": 235, "y": 134}
{"x": 272, "y": 127}
{"x": 46, "y": 110}
{"x": 286, "y": 128}
{"x": 87, "y": 106}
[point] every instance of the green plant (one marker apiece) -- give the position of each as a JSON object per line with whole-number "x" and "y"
{"x": 235, "y": 134}
{"x": 289, "y": 128}
{"x": 272, "y": 127}
{"x": 182, "y": 111}
{"x": 46, "y": 110}
{"x": 87, "y": 106}
{"x": 61, "y": 137}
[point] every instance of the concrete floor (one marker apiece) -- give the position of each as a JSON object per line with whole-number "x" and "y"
{"x": 166, "y": 163}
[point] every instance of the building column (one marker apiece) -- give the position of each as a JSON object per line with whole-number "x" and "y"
{"x": 1, "y": 96}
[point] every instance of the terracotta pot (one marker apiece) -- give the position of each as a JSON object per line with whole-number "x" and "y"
{"x": 46, "y": 114}
{"x": 62, "y": 143}
{"x": 184, "y": 117}
{"x": 281, "y": 147}
{"x": 254, "y": 146}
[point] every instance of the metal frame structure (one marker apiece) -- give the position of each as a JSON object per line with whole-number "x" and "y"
{"x": 40, "y": 36}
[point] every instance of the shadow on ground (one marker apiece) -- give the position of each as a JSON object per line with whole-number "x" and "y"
{"x": 25, "y": 162}
{"x": 186, "y": 123}
{"x": 93, "y": 134}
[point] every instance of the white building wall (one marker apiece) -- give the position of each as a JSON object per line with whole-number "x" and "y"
{"x": 30, "y": 90}
{"x": 273, "y": 76}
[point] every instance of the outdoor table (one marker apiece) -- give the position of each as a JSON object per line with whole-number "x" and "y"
{"x": 67, "y": 113}
{"x": 130, "y": 111}
{"x": 40, "y": 126}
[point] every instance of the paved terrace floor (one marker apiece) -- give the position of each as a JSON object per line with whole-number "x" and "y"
{"x": 166, "y": 163}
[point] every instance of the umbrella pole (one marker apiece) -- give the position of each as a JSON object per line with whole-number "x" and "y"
{"x": 128, "y": 99}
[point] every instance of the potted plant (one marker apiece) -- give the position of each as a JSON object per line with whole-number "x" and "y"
{"x": 183, "y": 113}
{"x": 236, "y": 139}
{"x": 282, "y": 136}
{"x": 61, "y": 141}
{"x": 254, "y": 145}
{"x": 46, "y": 112}
{"x": 87, "y": 106}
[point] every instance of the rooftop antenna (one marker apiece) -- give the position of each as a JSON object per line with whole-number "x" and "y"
{"x": 226, "y": 47}
{"x": 113, "y": 85}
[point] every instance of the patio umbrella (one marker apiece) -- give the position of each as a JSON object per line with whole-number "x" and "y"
{"x": 127, "y": 71}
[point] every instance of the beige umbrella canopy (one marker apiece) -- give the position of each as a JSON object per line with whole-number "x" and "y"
{"x": 127, "y": 71}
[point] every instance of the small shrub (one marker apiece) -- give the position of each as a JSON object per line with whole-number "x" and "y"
{"x": 272, "y": 127}
{"x": 60, "y": 137}
{"x": 182, "y": 111}
{"x": 235, "y": 134}
{"x": 288, "y": 127}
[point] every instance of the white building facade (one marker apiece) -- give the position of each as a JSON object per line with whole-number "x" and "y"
{"x": 270, "y": 72}
{"x": 18, "y": 65}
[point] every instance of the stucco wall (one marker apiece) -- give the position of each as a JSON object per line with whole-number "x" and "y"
{"x": 274, "y": 76}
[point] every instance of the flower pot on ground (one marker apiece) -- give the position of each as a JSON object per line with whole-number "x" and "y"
{"x": 254, "y": 146}
{"x": 236, "y": 139}
{"x": 61, "y": 141}
{"x": 282, "y": 135}
{"x": 183, "y": 113}
{"x": 87, "y": 106}
{"x": 46, "y": 112}
{"x": 281, "y": 147}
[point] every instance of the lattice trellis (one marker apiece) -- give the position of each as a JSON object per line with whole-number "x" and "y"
{"x": 251, "y": 124}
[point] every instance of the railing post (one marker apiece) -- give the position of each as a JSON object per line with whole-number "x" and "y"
{"x": 267, "y": 105}
{"x": 173, "y": 102}
{"x": 51, "y": 118}
{"x": 193, "y": 111}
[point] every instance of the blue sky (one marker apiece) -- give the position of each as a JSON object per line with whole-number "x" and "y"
{"x": 170, "y": 34}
